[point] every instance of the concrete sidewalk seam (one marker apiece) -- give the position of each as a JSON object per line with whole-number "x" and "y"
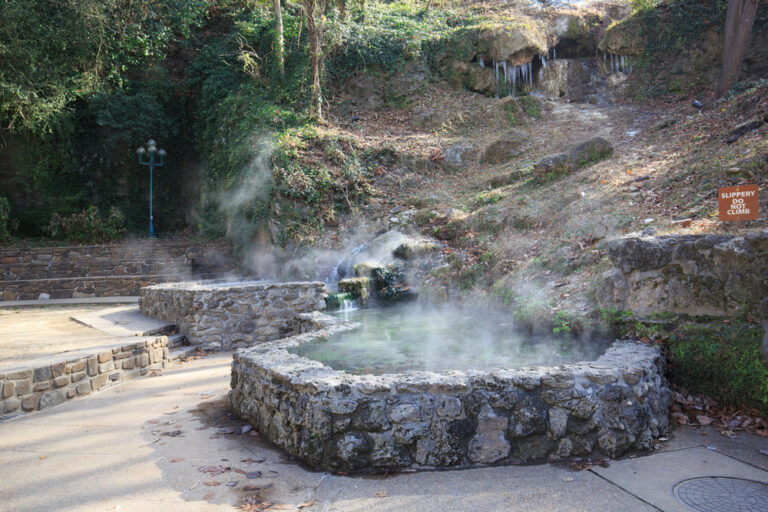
{"x": 626, "y": 491}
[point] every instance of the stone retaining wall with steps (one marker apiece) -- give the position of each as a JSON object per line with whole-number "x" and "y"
{"x": 106, "y": 270}
{"x": 46, "y": 383}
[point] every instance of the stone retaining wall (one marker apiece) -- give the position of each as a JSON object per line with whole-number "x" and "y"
{"x": 712, "y": 275}
{"x": 39, "y": 386}
{"x": 336, "y": 421}
{"x": 106, "y": 270}
{"x": 223, "y": 315}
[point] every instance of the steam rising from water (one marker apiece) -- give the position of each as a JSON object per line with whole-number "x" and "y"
{"x": 418, "y": 337}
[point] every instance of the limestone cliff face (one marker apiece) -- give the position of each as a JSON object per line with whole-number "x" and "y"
{"x": 713, "y": 275}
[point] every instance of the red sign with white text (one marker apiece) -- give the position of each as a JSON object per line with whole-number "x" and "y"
{"x": 738, "y": 203}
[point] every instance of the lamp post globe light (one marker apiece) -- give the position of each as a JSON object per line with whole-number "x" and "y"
{"x": 147, "y": 157}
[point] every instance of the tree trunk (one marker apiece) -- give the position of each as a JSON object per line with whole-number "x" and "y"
{"x": 279, "y": 43}
{"x": 738, "y": 30}
{"x": 312, "y": 9}
{"x": 342, "y": 6}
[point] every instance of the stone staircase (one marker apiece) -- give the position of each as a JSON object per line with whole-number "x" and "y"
{"x": 106, "y": 270}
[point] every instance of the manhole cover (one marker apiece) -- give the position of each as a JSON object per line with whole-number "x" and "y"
{"x": 722, "y": 494}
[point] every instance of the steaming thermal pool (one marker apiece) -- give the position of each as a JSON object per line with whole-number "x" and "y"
{"x": 397, "y": 339}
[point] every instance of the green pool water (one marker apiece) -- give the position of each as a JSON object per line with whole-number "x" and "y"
{"x": 398, "y": 339}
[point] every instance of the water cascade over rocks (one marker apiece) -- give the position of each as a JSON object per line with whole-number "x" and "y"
{"x": 617, "y": 63}
{"x": 577, "y": 77}
{"x": 510, "y": 76}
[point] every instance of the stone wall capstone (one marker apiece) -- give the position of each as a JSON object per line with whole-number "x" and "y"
{"x": 223, "y": 315}
{"x": 707, "y": 275}
{"x": 341, "y": 422}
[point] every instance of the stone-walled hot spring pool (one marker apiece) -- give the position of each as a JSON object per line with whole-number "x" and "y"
{"x": 417, "y": 388}
{"x": 410, "y": 337}
{"x": 409, "y": 390}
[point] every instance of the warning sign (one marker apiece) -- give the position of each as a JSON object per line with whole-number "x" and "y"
{"x": 738, "y": 203}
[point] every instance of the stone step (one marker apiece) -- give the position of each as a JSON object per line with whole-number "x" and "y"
{"x": 124, "y": 321}
{"x": 47, "y": 270}
{"x": 84, "y": 287}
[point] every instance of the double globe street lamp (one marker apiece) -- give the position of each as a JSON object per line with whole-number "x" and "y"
{"x": 151, "y": 163}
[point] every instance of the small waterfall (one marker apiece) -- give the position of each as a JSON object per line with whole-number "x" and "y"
{"x": 348, "y": 305}
{"x": 618, "y": 63}
{"x": 482, "y": 64}
{"x": 344, "y": 265}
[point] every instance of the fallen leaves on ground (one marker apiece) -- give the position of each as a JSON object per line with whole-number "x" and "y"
{"x": 381, "y": 494}
{"x": 212, "y": 483}
{"x": 254, "y": 503}
{"x": 586, "y": 465}
{"x": 173, "y": 433}
{"x": 179, "y": 459}
{"x": 699, "y": 410}
{"x": 306, "y": 504}
{"x": 214, "y": 470}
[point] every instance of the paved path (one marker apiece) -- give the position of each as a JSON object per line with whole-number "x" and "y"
{"x": 68, "y": 302}
{"x": 141, "y": 447}
{"x": 31, "y": 333}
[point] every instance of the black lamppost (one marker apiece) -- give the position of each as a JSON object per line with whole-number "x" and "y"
{"x": 150, "y": 162}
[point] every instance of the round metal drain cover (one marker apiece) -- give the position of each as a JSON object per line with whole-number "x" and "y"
{"x": 723, "y": 494}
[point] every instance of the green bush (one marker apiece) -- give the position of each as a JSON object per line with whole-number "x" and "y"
{"x": 720, "y": 358}
{"x": 88, "y": 226}
{"x": 723, "y": 361}
{"x": 5, "y": 220}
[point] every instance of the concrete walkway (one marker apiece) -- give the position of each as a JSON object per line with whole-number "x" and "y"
{"x": 68, "y": 302}
{"x": 167, "y": 443}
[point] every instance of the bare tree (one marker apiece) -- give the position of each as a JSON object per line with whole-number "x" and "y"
{"x": 313, "y": 11}
{"x": 738, "y": 29}
{"x": 279, "y": 42}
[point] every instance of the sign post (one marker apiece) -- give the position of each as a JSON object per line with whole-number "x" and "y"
{"x": 739, "y": 203}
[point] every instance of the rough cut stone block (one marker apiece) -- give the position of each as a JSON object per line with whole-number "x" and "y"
{"x": 93, "y": 366}
{"x": 105, "y": 356}
{"x": 77, "y": 367}
{"x": 84, "y": 388}
{"x": 41, "y": 386}
{"x": 11, "y": 405}
{"x": 61, "y": 381}
{"x": 52, "y": 398}
{"x": 58, "y": 369}
{"x": 29, "y": 402}
{"x": 99, "y": 381}
{"x": 18, "y": 375}
{"x": 42, "y": 374}
{"x": 23, "y": 387}
{"x": 9, "y": 388}
{"x": 78, "y": 376}
{"x": 106, "y": 367}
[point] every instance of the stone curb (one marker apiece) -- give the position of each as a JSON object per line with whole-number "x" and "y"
{"x": 44, "y": 383}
